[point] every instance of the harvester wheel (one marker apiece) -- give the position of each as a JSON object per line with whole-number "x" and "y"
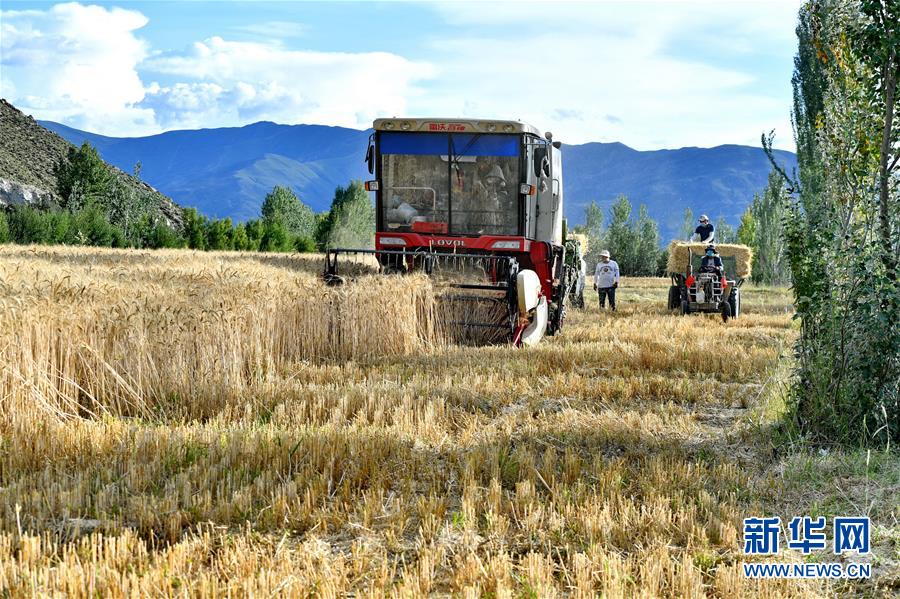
{"x": 685, "y": 308}
{"x": 725, "y": 308}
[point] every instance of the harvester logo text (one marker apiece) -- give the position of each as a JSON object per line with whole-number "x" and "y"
{"x": 450, "y": 242}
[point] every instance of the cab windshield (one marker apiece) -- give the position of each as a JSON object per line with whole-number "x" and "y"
{"x": 461, "y": 184}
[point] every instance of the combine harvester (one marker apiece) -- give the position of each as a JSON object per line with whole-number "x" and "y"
{"x": 477, "y": 205}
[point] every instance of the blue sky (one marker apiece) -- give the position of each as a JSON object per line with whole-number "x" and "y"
{"x": 648, "y": 74}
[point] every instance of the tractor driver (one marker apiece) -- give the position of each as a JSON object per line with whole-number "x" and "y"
{"x": 712, "y": 263}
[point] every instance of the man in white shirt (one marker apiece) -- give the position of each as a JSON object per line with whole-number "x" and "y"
{"x": 606, "y": 279}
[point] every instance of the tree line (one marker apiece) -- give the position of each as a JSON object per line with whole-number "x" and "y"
{"x": 633, "y": 239}
{"x": 841, "y": 240}
{"x": 96, "y": 208}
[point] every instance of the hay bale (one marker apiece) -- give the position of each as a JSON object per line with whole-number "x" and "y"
{"x": 583, "y": 239}
{"x": 680, "y": 250}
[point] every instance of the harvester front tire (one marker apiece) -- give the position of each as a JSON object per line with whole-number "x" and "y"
{"x": 685, "y": 308}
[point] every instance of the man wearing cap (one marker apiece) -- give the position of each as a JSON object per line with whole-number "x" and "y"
{"x": 705, "y": 231}
{"x": 606, "y": 279}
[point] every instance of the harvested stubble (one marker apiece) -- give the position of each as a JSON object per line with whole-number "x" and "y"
{"x": 614, "y": 459}
{"x": 678, "y": 256}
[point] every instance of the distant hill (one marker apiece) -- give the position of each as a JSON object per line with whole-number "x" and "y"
{"x": 29, "y": 154}
{"x": 228, "y": 171}
{"x": 717, "y": 181}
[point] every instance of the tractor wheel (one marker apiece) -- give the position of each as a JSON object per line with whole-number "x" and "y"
{"x": 685, "y": 307}
{"x": 725, "y": 308}
{"x": 734, "y": 303}
{"x": 674, "y": 297}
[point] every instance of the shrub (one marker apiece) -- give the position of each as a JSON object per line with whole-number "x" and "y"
{"x": 4, "y": 227}
{"x": 275, "y": 238}
{"x": 90, "y": 227}
{"x": 304, "y": 244}
{"x": 162, "y": 236}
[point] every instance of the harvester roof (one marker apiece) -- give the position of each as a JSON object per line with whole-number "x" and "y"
{"x": 679, "y": 252}
{"x": 453, "y": 125}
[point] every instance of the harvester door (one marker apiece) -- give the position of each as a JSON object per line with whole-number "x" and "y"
{"x": 546, "y": 227}
{"x": 556, "y": 187}
{"x": 537, "y": 173}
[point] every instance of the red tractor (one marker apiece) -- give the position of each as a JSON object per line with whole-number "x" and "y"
{"x": 484, "y": 198}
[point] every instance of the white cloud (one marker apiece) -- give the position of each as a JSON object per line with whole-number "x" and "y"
{"x": 672, "y": 74}
{"x": 245, "y": 81}
{"x": 76, "y": 64}
{"x": 648, "y": 74}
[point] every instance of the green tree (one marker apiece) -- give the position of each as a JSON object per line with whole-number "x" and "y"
{"x": 129, "y": 210}
{"x": 91, "y": 227}
{"x": 163, "y": 236}
{"x": 239, "y": 239}
{"x": 304, "y": 245}
{"x": 688, "y": 226}
{"x": 351, "y": 220}
{"x": 724, "y": 232}
{"x": 647, "y": 233}
{"x": 28, "y": 225}
{"x": 746, "y": 233}
{"x": 83, "y": 171}
{"x": 593, "y": 228}
{"x": 194, "y": 229}
{"x": 283, "y": 205}
{"x": 276, "y": 238}
{"x": 621, "y": 239}
{"x": 842, "y": 226}
{"x": 218, "y": 234}
{"x": 255, "y": 232}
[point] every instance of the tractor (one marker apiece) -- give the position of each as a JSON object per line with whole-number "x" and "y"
{"x": 695, "y": 289}
{"x": 477, "y": 204}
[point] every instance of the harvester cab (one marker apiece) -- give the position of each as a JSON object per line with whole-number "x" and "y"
{"x": 478, "y": 205}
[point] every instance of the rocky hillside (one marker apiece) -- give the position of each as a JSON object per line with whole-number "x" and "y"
{"x": 28, "y": 155}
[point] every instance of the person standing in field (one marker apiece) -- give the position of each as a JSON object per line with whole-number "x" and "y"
{"x": 606, "y": 280}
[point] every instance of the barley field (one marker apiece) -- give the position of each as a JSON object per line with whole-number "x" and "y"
{"x": 183, "y": 424}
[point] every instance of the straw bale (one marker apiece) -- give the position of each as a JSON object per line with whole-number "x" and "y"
{"x": 678, "y": 256}
{"x": 583, "y": 239}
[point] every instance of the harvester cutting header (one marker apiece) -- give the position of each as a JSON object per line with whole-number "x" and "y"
{"x": 480, "y": 197}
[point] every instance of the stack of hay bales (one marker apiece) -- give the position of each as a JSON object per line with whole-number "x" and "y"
{"x": 679, "y": 256}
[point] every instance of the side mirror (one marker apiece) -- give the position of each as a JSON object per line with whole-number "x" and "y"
{"x": 370, "y": 159}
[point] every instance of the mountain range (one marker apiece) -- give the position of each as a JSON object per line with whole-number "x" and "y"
{"x": 227, "y": 172}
